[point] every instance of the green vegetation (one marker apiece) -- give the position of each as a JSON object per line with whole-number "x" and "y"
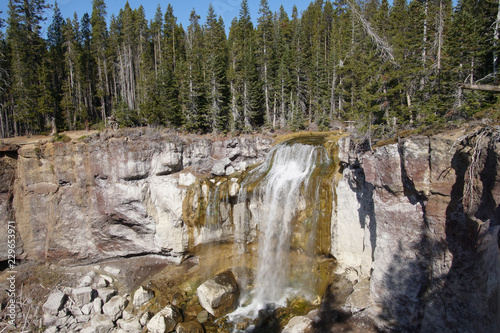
{"x": 60, "y": 138}
{"x": 385, "y": 68}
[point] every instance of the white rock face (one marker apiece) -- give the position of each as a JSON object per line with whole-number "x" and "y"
{"x": 165, "y": 320}
{"x": 127, "y": 191}
{"x": 166, "y": 206}
{"x": 351, "y": 237}
{"x": 219, "y": 168}
{"x": 186, "y": 179}
{"x": 168, "y": 161}
{"x": 146, "y": 316}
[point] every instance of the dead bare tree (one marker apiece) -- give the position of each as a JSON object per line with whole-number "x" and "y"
{"x": 382, "y": 45}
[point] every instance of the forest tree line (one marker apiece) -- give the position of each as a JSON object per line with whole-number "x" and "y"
{"x": 364, "y": 61}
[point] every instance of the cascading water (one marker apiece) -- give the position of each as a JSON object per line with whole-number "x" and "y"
{"x": 284, "y": 186}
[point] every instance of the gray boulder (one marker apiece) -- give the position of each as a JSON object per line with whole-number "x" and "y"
{"x": 99, "y": 324}
{"x": 219, "y": 295}
{"x": 299, "y": 324}
{"x": 105, "y": 294}
{"x": 114, "y": 308}
{"x": 82, "y": 295}
{"x": 54, "y": 303}
{"x": 142, "y": 295}
{"x": 165, "y": 320}
{"x": 130, "y": 325}
{"x": 219, "y": 168}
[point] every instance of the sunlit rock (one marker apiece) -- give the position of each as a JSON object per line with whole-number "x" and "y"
{"x": 165, "y": 320}
{"x": 219, "y": 295}
{"x": 142, "y": 295}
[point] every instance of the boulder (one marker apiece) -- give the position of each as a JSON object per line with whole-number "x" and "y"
{"x": 101, "y": 283}
{"x": 219, "y": 168}
{"x": 165, "y": 320}
{"x": 202, "y": 316}
{"x": 299, "y": 324}
{"x": 48, "y": 319}
{"x": 87, "y": 308}
{"x": 52, "y": 329}
{"x": 146, "y": 316}
{"x": 86, "y": 281}
{"x": 83, "y": 318}
{"x": 359, "y": 299}
{"x": 219, "y": 295}
{"x": 97, "y": 305}
{"x": 54, "y": 303}
{"x": 112, "y": 270}
{"x": 142, "y": 295}
{"x": 189, "y": 327}
{"x": 82, "y": 295}
{"x": 105, "y": 294}
{"x": 130, "y": 325}
{"x": 114, "y": 308}
{"x": 99, "y": 324}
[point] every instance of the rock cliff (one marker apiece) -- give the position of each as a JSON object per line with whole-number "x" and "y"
{"x": 417, "y": 221}
{"x": 113, "y": 195}
{"x": 423, "y": 230}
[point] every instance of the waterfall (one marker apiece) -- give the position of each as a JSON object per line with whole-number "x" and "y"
{"x": 283, "y": 186}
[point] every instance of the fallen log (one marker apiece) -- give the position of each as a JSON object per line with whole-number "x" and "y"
{"x": 481, "y": 87}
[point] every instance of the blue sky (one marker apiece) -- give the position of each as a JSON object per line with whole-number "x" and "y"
{"x": 228, "y": 9}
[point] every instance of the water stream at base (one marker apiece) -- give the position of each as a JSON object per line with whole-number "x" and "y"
{"x": 279, "y": 186}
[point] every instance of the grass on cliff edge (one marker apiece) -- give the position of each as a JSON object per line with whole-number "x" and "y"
{"x": 327, "y": 136}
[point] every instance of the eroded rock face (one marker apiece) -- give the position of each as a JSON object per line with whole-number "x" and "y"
{"x": 111, "y": 196}
{"x": 8, "y": 164}
{"x": 413, "y": 231}
{"x": 416, "y": 221}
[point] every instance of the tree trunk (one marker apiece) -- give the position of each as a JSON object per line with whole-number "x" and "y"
{"x": 440, "y": 43}
{"x": 332, "y": 94}
{"x": 496, "y": 36}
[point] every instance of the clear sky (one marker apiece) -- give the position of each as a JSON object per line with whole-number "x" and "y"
{"x": 228, "y": 9}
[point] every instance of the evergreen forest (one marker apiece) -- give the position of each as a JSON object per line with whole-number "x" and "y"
{"x": 380, "y": 66}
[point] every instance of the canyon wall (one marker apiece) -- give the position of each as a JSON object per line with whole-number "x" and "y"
{"x": 113, "y": 195}
{"x": 417, "y": 220}
{"x": 424, "y": 230}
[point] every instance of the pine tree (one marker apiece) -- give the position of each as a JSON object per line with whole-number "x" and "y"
{"x": 265, "y": 52}
{"x": 99, "y": 47}
{"x": 283, "y": 65}
{"x": 298, "y": 94}
{"x": 27, "y": 54}
{"x": 72, "y": 102}
{"x": 5, "y": 123}
{"x": 87, "y": 70}
{"x": 156, "y": 33}
{"x": 216, "y": 69}
{"x": 55, "y": 41}
{"x": 193, "y": 84}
